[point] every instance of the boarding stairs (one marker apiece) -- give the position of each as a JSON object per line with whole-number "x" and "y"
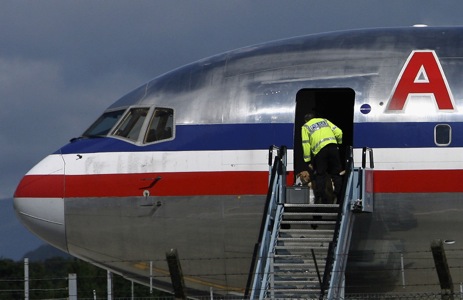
{"x": 302, "y": 249}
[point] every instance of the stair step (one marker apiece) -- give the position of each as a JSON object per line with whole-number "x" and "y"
{"x": 320, "y": 237}
{"x": 308, "y": 231}
{"x": 317, "y": 248}
{"x": 302, "y": 242}
{"x": 295, "y": 264}
{"x": 311, "y": 207}
{"x": 304, "y": 239}
{"x": 307, "y": 282}
{"x": 305, "y": 265}
{"x": 310, "y": 214}
{"x": 293, "y": 247}
{"x": 282, "y": 258}
{"x": 293, "y": 275}
{"x": 314, "y": 295}
{"x": 299, "y": 282}
{"x": 286, "y": 265}
{"x": 298, "y": 247}
{"x": 293, "y": 205}
{"x": 292, "y": 293}
{"x": 297, "y": 285}
{"x": 282, "y": 275}
{"x": 321, "y": 222}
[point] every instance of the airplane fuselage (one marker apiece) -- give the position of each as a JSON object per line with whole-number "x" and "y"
{"x": 181, "y": 162}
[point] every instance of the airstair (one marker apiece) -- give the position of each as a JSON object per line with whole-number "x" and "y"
{"x": 303, "y": 247}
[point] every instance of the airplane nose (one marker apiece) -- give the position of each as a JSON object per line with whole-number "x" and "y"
{"x": 39, "y": 201}
{"x": 44, "y": 217}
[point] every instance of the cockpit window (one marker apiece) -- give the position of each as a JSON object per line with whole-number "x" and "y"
{"x": 161, "y": 124}
{"x": 103, "y": 125}
{"x": 132, "y": 123}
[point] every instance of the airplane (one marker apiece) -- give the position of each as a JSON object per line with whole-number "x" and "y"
{"x": 181, "y": 161}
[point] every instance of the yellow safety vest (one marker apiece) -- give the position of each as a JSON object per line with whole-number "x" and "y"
{"x": 316, "y": 134}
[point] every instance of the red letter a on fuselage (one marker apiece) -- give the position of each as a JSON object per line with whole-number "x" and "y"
{"x": 421, "y": 74}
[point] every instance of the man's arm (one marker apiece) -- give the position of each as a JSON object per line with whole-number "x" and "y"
{"x": 306, "y": 144}
{"x": 336, "y": 131}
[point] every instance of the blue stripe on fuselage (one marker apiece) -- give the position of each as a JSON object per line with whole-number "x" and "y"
{"x": 261, "y": 136}
{"x": 403, "y": 134}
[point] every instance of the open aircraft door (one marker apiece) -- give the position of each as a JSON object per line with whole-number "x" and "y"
{"x": 334, "y": 104}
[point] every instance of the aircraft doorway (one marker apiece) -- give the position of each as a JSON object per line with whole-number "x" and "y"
{"x": 336, "y": 105}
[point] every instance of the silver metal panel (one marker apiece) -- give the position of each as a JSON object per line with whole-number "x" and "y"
{"x": 44, "y": 217}
{"x": 214, "y": 237}
{"x": 259, "y": 83}
{"x": 404, "y": 225}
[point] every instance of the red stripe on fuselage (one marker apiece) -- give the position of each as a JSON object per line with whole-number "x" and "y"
{"x": 126, "y": 185}
{"x": 217, "y": 183}
{"x": 40, "y": 186}
{"x": 418, "y": 181}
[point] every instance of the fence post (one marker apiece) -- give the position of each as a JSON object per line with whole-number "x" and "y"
{"x": 72, "y": 286}
{"x": 151, "y": 277}
{"x": 110, "y": 285}
{"x": 443, "y": 270}
{"x": 26, "y": 278}
{"x": 132, "y": 291}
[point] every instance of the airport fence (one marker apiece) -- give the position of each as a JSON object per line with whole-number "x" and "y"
{"x": 48, "y": 280}
{"x": 360, "y": 296}
{"x": 404, "y": 296}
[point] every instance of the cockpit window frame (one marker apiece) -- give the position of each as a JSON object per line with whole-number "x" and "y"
{"x": 115, "y": 132}
{"x": 171, "y": 122}
{"x": 89, "y": 133}
{"x": 142, "y": 136}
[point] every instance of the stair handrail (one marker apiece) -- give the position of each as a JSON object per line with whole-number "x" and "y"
{"x": 364, "y": 159}
{"x": 347, "y": 182}
{"x": 270, "y": 223}
{"x": 341, "y": 239}
{"x": 341, "y": 245}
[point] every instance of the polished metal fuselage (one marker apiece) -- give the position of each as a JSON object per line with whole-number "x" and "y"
{"x": 215, "y": 234}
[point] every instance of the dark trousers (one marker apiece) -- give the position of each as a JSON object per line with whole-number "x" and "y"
{"x": 327, "y": 165}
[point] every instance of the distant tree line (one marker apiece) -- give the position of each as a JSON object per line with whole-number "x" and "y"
{"x": 48, "y": 279}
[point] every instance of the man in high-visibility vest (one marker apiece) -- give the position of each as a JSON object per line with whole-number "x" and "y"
{"x": 320, "y": 139}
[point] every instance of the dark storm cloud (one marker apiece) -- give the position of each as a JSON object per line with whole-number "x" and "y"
{"x": 63, "y": 62}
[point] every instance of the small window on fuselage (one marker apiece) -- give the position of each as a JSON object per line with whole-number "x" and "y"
{"x": 132, "y": 123}
{"x": 103, "y": 124}
{"x": 442, "y": 135}
{"x": 161, "y": 125}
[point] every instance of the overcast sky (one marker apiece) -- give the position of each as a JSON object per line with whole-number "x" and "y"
{"x": 63, "y": 62}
